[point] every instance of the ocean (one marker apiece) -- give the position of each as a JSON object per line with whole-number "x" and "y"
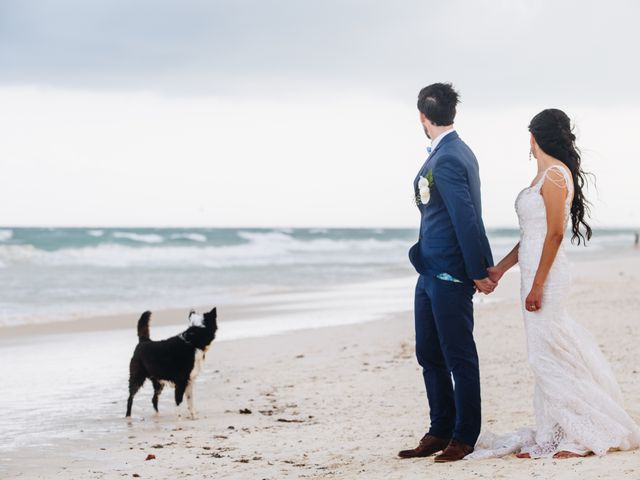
{"x": 58, "y": 274}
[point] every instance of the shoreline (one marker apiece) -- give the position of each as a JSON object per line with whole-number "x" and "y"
{"x": 256, "y": 306}
{"x": 277, "y": 306}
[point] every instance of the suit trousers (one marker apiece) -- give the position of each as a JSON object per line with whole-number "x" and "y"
{"x": 447, "y": 353}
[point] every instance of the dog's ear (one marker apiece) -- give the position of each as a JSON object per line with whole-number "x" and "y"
{"x": 213, "y": 311}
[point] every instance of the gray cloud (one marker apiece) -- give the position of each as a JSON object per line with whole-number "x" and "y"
{"x": 508, "y": 51}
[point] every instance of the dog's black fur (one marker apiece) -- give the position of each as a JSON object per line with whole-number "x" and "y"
{"x": 171, "y": 360}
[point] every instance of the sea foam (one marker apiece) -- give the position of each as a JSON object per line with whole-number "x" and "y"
{"x": 139, "y": 237}
{"x": 257, "y": 249}
{"x": 5, "y": 235}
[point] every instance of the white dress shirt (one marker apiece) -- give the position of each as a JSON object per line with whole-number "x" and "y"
{"x": 438, "y": 139}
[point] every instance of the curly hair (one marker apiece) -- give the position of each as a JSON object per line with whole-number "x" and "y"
{"x": 553, "y": 133}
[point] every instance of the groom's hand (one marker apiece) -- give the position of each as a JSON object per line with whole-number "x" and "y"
{"x": 486, "y": 285}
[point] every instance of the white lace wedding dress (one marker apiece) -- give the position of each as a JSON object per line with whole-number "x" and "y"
{"x": 577, "y": 401}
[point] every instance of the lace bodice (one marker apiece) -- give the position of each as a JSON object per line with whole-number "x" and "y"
{"x": 532, "y": 218}
{"x": 577, "y": 401}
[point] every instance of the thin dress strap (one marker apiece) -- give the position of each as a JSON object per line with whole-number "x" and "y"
{"x": 565, "y": 181}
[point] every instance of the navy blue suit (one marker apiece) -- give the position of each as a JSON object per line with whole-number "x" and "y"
{"x": 452, "y": 241}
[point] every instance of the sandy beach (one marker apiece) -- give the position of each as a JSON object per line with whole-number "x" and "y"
{"x": 334, "y": 402}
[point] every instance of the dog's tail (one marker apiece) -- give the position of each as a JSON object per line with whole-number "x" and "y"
{"x": 143, "y": 327}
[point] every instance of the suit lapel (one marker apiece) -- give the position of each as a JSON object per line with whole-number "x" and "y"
{"x": 447, "y": 138}
{"x": 450, "y": 137}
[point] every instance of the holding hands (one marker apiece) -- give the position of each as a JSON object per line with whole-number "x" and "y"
{"x": 486, "y": 285}
{"x": 489, "y": 284}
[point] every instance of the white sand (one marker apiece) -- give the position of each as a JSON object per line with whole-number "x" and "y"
{"x": 339, "y": 402}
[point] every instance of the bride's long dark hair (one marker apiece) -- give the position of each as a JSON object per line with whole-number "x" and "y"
{"x": 552, "y": 131}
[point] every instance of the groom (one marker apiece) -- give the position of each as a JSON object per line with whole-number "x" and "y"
{"x": 452, "y": 256}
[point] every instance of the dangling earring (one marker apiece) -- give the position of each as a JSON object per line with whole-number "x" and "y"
{"x": 530, "y": 155}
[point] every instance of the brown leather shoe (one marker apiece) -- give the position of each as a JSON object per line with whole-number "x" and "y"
{"x": 428, "y": 446}
{"x": 455, "y": 451}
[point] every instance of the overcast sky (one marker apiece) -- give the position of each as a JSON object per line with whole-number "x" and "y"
{"x": 296, "y": 113}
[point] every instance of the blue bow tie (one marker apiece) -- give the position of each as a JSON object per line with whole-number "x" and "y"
{"x": 429, "y": 149}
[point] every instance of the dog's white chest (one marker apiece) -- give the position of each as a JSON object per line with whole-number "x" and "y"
{"x": 198, "y": 361}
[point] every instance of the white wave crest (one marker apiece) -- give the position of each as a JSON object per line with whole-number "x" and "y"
{"x": 5, "y": 235}
{"x": 96, "y": 233}
{"x": 194, "y": 237}
{"x": 261, "y": 249}
{"x": 139, "y": 237}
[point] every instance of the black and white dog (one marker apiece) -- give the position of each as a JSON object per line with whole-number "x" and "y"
{"x": 175, "y": 361}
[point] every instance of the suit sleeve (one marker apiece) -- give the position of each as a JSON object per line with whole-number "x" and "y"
{"x": 451, "y": 181}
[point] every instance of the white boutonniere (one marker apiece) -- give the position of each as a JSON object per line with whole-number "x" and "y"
{"x": 424, "y": 188}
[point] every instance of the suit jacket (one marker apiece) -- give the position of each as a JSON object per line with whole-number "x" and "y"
{"x": 452, "y": 235}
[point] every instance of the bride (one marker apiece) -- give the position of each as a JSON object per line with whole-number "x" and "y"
{"x": 577, "y": 401}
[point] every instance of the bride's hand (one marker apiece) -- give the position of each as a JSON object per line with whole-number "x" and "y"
{"x": 495, "y": 274}
{"x": 533, "y": 302}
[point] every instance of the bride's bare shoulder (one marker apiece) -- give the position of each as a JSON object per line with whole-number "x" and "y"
{"x": 557, "y": 183}
{"x": 559, "y": 175}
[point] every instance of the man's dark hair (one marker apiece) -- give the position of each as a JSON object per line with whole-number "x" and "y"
{"x": 438, "y": 103}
